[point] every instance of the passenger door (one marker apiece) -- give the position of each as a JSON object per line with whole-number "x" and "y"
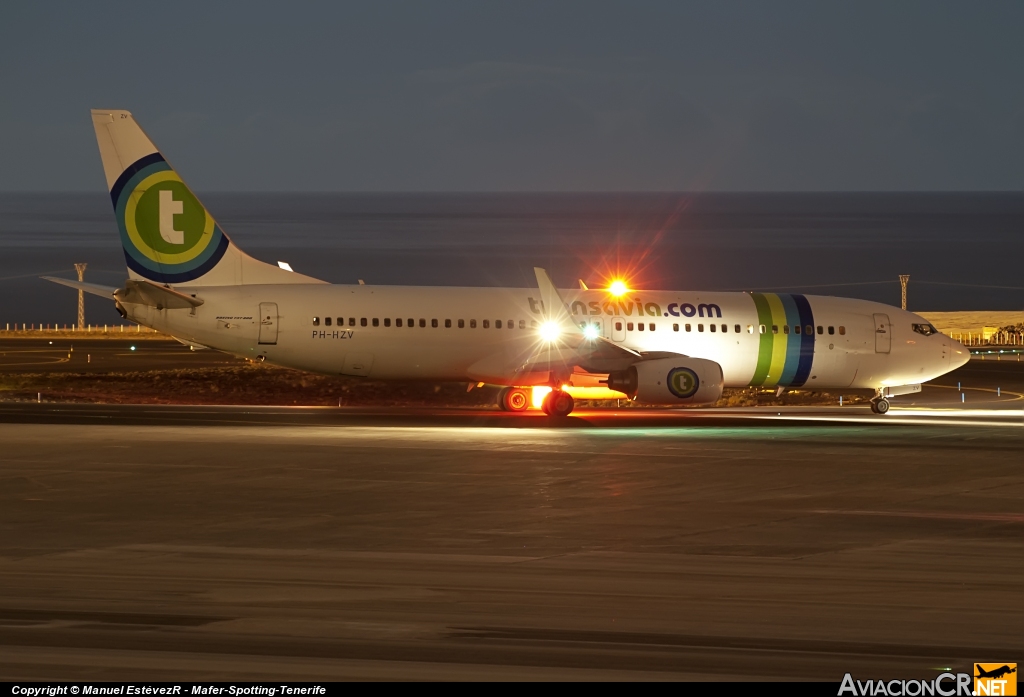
{"x": 268, "y": 323}
{"x": 618, "y": 329}
{"x": 883, "y": 333}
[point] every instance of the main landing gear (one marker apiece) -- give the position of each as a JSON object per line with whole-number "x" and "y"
{"x": 514, "y": 399}
{"x": 557, "y": 403}
{"x": 880, "y": 405}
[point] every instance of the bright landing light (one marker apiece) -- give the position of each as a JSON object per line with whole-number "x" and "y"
{"x": 549, "y": 331}
{"x": 590, "y": 331}
{"x": 618, "y": 288}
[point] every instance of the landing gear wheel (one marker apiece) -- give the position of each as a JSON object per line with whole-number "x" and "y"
{"x": 513, "y": 399}
{"x": 557, "y": 403}
{"x": 880, "y": 406}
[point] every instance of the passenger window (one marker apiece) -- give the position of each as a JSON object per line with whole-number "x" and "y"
{"x": 327, "y": 321}
{"x": 462, "y": 324}
{"x": 796, "y": 329}
{"x": 472, "y": 324}
{"x": 362, "y": 321}
{"x": 762, "y": 329}
{"x": 785, "y": 329}
{"x": 351, "y": 321}
{"x": 831, "y": 330}
{"x": 629, "y": 326}
{"x": 423, "y": 323}
{"x": 775, "y": 329}
{"x": 376, "y": 322}
{"x": 725, "y": 328}
{"x": 497, "y": 324}
{"x": 639, "y": 326}
{"x": 533, "y": 324}
{"x": 675, "y": 327}
{"x": 713, "y": 328}
{"x": 447, "y": 324}
{"x": 737, "y": 329}
{"x": 387, "y": 321}
{"x": 700, "y": 327}
{"x": 618, "y": 326}
{"x": 511, "y": 324}
{"x": 487, "y": 324}
{"x": 821, "y": 329}
{"x": 842, "y": 330}
{"x": 522, "y": 324}
{"x": 316, "y": 321}
{"x": 808, "y": 329}
{"x": 689, "y": 327}
{"x": 398, "y": 322}
{"x": 341, "y": 321}
{"x": 651, "y": 326}
{"x": 433, "y": 323}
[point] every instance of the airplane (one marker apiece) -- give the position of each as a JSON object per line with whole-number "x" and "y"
{"x": 995, "y": 673}
{"x": 186, "y": 278}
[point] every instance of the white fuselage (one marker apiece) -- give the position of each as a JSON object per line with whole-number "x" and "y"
{"x": 414, "y": 333}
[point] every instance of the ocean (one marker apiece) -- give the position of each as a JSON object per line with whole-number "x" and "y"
{"x": 963, "y": 251}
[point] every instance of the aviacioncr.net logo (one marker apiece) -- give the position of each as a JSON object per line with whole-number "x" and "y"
{"x": 165, "y": 221}
{"x": 683, "y": 382}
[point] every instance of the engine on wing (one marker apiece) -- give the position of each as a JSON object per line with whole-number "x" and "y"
{"x": 682, "y": 380}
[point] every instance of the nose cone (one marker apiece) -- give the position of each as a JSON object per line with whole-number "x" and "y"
{"x": 958, "y": 354}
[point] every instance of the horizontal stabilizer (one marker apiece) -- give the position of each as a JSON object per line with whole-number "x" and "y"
{"x": 142, "y": 292}
{"x": 104, "y": 291}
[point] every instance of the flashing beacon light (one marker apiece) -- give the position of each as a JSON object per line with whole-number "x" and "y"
{"x": 549, "y": 331}
{"x": 618, "y": 288}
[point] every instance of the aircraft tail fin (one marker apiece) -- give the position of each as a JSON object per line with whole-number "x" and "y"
{"x": 168, "y": 236}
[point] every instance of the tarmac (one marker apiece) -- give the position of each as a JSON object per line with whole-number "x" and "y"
{"x": 271, "y": 543}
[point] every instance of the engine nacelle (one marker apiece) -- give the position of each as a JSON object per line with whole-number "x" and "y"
{"x": 682, "y": 380}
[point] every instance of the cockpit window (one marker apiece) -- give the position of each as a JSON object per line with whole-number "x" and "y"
{"x": 925, "y": 329}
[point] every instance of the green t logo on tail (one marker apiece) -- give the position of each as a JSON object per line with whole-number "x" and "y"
{"x": 167, "y": 234}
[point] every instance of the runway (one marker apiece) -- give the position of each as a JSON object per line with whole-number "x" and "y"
{"x": 272, "y": 543}
{"x": 89, "y": 355}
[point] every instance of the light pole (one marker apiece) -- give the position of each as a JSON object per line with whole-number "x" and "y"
{"x": 80, "y": 268}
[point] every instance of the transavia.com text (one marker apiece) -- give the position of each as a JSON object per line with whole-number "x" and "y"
{"x": 153, "y": 691}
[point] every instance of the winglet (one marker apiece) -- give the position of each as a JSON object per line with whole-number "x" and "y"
{"x": 555, "y": 309}
{"x": 583, "y": 286}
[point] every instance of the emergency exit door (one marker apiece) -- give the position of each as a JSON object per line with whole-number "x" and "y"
{"x": 618, "y": 329}
{"x": 883, "y": 333}
{"x": 268, "y": 323}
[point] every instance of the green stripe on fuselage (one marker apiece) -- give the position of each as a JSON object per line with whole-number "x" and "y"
{"x": 779, "y": 340}
{"x": 764, "y": 349}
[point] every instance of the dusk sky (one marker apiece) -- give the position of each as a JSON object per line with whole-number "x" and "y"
{"x": 523, "y": 96}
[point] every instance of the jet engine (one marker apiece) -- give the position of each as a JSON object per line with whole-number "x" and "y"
{"x": 680, "y": 380}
